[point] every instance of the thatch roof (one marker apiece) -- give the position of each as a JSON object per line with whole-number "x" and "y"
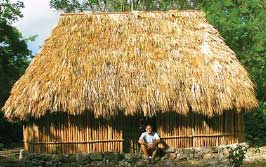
{"x": 132, "y": 62}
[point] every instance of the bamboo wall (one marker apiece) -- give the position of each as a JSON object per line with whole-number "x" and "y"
{"x": 61, "y": 133}
{"x": 199, "y": 131}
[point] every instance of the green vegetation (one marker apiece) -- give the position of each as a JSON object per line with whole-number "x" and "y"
{"x": 14, "y": 58}
{"x": 121, "y": 5}
{"x": 255, "y": 126}
{"x": 237, "y": 156}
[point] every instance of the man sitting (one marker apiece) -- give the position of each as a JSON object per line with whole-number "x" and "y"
{"x": 149, "y": 141}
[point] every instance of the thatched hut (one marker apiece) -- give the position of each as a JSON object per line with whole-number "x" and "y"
{"x": 101, "y": 76}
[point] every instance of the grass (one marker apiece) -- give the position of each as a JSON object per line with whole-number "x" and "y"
{"x": 260, "y": 163}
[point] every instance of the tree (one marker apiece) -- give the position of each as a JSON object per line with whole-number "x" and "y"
{"x": 14, "y": 54}
{"x": 120, "y": 5}
{"x": 14, "y": 58}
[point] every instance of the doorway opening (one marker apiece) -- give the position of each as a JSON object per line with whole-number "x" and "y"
{"x": 144, "y": 121}
{"x": 132, "y": 130}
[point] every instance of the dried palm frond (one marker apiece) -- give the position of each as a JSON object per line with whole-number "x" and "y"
{"x": 145, "y": 62}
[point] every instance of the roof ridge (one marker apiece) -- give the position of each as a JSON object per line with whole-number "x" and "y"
{"x": 132, "y": 12}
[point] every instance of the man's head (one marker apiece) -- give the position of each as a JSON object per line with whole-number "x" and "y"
{"x": 149, "y": 129}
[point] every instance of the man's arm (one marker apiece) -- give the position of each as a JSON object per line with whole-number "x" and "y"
{"x": 157, "y": 141}
{"x": 141, "y": 139}
{"x": 142, "y": 142}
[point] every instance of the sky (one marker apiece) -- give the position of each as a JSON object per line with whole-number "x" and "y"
{"x": 38, "y": 19}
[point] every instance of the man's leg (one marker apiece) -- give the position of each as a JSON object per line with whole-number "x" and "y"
{"x": 144, "y": 150}
{"x": 154, "y": 152}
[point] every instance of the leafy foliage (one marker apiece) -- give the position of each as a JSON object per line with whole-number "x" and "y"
{"x": 255, "y": 126}
{"x": 14, "y": 53}
{"x": 237, "y": 155}
{"x": 14, "y": 58}
{"x": 121, "y": 5}
{"x": 10, "y": 11}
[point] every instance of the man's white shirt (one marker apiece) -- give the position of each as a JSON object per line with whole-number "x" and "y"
{"x": 149, "y": 138}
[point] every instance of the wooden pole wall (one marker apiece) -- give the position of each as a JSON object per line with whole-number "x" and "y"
{"x": 69, "y": 134}
{"x": 199, "y": 131}
{"x": 61, "y": 135}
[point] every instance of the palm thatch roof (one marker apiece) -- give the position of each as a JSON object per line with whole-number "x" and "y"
{"x": 134, "y": 62}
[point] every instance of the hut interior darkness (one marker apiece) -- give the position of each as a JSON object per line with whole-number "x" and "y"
{"x": 100, "y": 77}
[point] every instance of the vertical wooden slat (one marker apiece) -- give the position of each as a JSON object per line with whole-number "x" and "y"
{"x": 121, "y": 134}
{"x": 25, "y": 137}
{"x": 193, "y": 130}
{"x": 87, "y": 128}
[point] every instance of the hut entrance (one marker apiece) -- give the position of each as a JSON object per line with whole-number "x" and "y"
{"x": 143, "y": 121}
{"x": 133, "y": 129}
